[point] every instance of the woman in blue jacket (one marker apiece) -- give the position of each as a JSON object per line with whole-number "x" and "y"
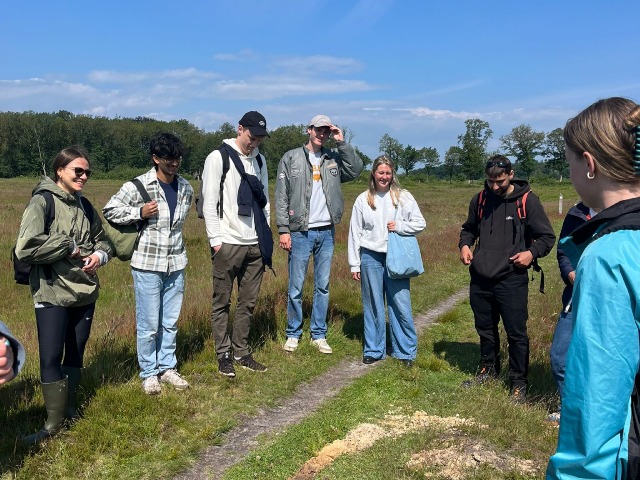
{"x": 603, "y": 151}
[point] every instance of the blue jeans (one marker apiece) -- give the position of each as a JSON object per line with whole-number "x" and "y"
{"x": 560, "y": 346}
{"x": 158, "y": 303}
{"x": 376, "y": 287}
{"x": 318, "y": 243}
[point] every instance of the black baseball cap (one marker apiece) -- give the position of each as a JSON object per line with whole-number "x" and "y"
{"x": 256, "y": 123}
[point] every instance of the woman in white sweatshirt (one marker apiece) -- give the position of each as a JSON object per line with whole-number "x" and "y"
{"x": 381, "y": 209}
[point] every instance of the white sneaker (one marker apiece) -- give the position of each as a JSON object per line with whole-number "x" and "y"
{"x": 172, "y": 377}
{"x": 151, "y": 386}
{"x": 291, "y": 344}
{"x": 322, "y": 345}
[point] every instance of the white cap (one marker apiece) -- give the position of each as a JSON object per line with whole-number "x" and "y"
{"x": 320, "y": 121}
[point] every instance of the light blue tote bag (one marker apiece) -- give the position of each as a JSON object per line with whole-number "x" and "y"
{"x": 403, "y": 256}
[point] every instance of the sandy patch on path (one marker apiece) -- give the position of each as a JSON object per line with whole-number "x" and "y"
{"x": 460, "y": 457}
{"x": 366, "y": 435}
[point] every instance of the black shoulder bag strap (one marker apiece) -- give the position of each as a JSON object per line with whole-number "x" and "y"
{"x": 49, "y": 215}
{"x": 147, "y": 198}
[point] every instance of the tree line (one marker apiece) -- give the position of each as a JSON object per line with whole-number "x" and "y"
{"x": 467, "y": 159}
{"x": 119, "y": 146}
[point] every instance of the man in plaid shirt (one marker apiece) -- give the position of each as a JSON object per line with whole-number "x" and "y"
{"x": 158, "y": 263}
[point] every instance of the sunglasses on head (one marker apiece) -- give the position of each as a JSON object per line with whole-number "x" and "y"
{"x": 497, "y": 163}
{"x": 80, "y": 171}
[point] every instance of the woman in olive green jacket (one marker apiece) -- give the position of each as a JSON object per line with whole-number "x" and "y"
{"x": 63, "y": 280}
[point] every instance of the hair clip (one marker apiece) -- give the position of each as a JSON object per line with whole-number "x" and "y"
{"x": 636, "y": 155}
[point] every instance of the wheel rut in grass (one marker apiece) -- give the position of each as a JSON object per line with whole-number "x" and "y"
{"x": 238, "y": 442}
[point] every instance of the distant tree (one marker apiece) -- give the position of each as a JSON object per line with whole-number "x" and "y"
{"x": 282, "y": 140}
{"x": 392, "y": 148}
{"x": 408, "y": 159}
{"x": 553, "y": 153}
{"x": 525, "y": 145}
{"x": 452, "y": 161}
{"x": 366, "y": 160}
{"x": 228, "y": 130}
{"x": 473, "y": 144}
{"x": 430, "y": 157}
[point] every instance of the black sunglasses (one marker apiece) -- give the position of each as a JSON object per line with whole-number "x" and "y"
{"x": 497, "y": 163}
{"x": 168, "y": 160}
{"x": 80, "y": 171}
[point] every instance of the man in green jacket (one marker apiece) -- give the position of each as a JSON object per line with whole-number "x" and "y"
{"x": 308, "y": 206}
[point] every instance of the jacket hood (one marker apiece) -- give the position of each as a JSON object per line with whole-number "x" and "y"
{"x": 232, "y": 143}
{"x": 47, "y": 184}
{"x": 520, "y": 187}
{"x": 579, "y": 210}
{"x": 628, "y": 208}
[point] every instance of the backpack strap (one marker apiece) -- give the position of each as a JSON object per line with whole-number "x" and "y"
{"x": 521, "y": 206}
{"x": 87, "y": 208}
{"x": 49, "y": 215}
{"x": 143, "y": 191}
{"x": 225, "y": 168}
{"x": 482, "y": 199}
{"x": 49, "y": 210}
{"x": 142, "y": 224}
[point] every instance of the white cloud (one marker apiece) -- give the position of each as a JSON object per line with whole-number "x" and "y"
{"x": 186, "y": 74}
{"x": 244, "y": 55}
{"x": 317, "y": 65}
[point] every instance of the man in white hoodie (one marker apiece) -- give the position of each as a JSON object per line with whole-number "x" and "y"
{"x": 233, "y": 232}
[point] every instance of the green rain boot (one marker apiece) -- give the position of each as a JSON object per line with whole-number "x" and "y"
{"x": 73, "y": 378}
{"x": 55, "y": 401}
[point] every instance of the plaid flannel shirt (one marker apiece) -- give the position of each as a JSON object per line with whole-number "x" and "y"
{"x": 161, "y": 246}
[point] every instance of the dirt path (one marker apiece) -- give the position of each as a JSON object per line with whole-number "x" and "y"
{"x": 239, "y": 441}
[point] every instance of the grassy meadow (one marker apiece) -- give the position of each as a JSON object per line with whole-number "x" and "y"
{"x": 127, "y": 434}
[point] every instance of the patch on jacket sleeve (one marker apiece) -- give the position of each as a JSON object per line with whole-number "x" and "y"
{"x": 282, "y": 175}
{"x": 333, "y": 169}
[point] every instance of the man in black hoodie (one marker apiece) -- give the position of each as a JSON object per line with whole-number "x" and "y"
{"x": 510, "y": 229}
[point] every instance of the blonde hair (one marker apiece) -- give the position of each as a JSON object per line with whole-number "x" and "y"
{"x": 394, "y": 186}
{"x": 607, "y": 130}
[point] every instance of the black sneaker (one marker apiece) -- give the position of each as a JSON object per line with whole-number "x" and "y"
{"x": 225, "y": 365}
{"x": 250, "y": 364}
{"x": 486, "y": 373}
{"x": 519, "y": 394}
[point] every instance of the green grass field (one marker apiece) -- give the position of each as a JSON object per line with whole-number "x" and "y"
{"x": 126, "y": 434}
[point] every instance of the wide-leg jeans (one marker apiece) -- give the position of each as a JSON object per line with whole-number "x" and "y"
{"x": 377, "y": 286}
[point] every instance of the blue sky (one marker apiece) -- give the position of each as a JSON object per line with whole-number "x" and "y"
{"x": 413, "y": 69}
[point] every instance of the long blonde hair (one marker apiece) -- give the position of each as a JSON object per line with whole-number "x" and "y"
{"x": 394, "y": 186}
{"x": 608, "y": 131}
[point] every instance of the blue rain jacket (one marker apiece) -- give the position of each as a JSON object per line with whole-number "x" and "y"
{"x": 604, "y": 353}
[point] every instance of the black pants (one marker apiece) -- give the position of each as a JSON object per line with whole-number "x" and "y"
{"x": 506, "y": 299}
{"x": 62, "y": 331}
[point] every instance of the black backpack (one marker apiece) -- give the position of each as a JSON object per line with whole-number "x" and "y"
{"x": 21, "y": 269}
{"x": 225, "y": 169}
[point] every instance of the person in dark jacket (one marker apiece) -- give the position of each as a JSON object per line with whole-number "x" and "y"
{"x": 510, "y": 229}
{"x": 576, "y": 216}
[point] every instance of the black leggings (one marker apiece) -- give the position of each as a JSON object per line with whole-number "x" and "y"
{"x": 62, "y": 330}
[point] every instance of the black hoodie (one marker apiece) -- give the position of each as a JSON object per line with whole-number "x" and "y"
{"x": 499, "y": 233}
